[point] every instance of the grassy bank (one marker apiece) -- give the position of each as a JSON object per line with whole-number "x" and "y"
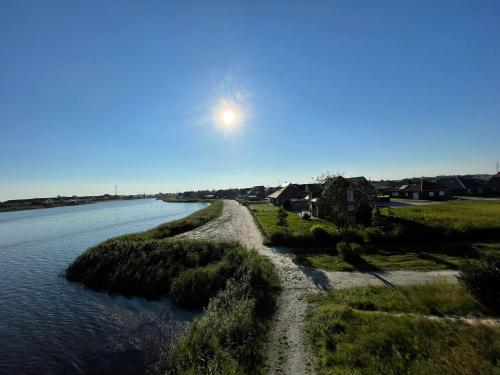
{"x": 187, "y": 271}
{"x": 175, "y": 227}
{"x": 374, "y": 331}
{"x": 236, "y": 286}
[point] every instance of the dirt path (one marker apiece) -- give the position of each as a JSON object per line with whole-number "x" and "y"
{"x": 289, "y": 352}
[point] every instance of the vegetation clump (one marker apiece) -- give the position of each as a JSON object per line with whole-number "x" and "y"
{"x": 227, "y": 339}
{"x": 482, "y": 279}
{"x": 282, "y": 215}
{"x": 349, "y": 251}
{"x": 187, "y": 271}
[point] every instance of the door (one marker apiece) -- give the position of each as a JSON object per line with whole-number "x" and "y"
{"x": 415, "y": 195}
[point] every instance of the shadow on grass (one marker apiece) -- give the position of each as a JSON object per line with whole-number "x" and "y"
{"x": 315, "y": 275}
{"x": 437, "y": 260}
{"x": 362, "y": 265}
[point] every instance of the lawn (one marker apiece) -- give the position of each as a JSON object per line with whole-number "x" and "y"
{"x": 376, "y": 330}
{"x": 453, "y": 218}
{"x": 416, "y": 257}
{"x": 297, "y": 230}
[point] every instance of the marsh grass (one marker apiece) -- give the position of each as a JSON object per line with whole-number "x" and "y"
{"x": 175, "y": 227}
{"x": 352, "y": 332}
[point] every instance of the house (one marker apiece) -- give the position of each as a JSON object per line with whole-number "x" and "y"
{"x": 473, "y": 186}
{"x": 420, "y": 189}
{"x": 493, "y": 184}
{"x": 453, "y": 184}
{"x": 384, "y": 186}
{"x": 284, "y": 195}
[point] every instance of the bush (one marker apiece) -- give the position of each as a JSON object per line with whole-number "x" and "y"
{"x": 282, "y": 214}
{"x": 349, "y": 251}
{"x": 482, "y": 279}
{"x": 320, "y": 234}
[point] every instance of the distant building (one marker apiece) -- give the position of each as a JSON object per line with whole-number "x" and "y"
{"x": 420, "y": 189}
{"x": 493, "y": 185}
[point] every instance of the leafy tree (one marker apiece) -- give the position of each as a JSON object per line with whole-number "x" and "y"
{"x": 334, "y": 205}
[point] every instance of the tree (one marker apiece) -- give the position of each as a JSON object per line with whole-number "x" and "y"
{"x": 345, "y": 202}
{"x": 333, "y": 204}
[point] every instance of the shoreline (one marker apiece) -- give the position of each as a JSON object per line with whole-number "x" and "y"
{"x": 37, "y": 207}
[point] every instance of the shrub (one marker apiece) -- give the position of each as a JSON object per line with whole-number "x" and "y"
{"x": 363, "y": 215}
{"x": 482, "y": 279}
{"x": 282, "y": 214}
{"x": 320, "y": 234}
{"x": 349, "y": 251}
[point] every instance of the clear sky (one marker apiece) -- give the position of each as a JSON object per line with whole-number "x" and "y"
{"x": 96, "y": 93}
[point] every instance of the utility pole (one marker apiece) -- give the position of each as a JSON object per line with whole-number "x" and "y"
{"x": 498, "y": 167}
{"x": 116, "y": 190}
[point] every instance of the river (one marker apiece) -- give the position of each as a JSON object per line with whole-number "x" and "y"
{"x": 51, "y": 326}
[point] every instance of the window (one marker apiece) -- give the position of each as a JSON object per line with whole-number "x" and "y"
{"x": 431, "y": 193}
{"x": 441, "y": 193}
{"x": 395, "y": 194}
{"x": 350, "y": 195}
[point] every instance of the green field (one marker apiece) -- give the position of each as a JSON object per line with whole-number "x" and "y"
{"x": 297, "y": 230}
{"x": 380, "y": 330}
{"x": 460, "y": 219}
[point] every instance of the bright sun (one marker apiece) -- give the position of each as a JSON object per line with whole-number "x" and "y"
{"x": 228, "y": 117}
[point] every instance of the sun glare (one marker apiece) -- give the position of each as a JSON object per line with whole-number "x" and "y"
{"x": 229, "y": 116}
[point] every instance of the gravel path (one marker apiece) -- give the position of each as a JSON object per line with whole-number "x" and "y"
{"x": 288, "y": 351}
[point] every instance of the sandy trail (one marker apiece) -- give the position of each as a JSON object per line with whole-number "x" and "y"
{"x": 289, "y": 351}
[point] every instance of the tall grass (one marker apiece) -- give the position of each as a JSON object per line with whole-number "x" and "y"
{"x": 175, "y": 227}
{"x": 189, "y": 272}
{"x": 352, "y": 332}
{"x": 227, "y": 339}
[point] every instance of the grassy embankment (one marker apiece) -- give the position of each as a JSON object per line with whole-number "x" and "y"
{"x": 175, "y": 227}
{"x": 237, "y": 287}
{"x": 419, "y": 238}
{"x": 380, "y": 330}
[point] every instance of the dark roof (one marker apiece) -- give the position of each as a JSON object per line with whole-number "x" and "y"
{"x": 289, "y": 191}
{"x": 357, "y": 180}
{"x": 450, "y": 182}
{"x": 420, "y": 185}
{"x": 470, "y": 183}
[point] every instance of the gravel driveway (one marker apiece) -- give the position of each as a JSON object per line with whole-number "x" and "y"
{"x": 289, "y": 351}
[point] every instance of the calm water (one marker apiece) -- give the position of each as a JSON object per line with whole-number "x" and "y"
{"x": 51, "y": 326}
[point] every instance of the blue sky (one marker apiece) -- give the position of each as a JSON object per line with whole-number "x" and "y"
{"x": 98, "y": 93}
